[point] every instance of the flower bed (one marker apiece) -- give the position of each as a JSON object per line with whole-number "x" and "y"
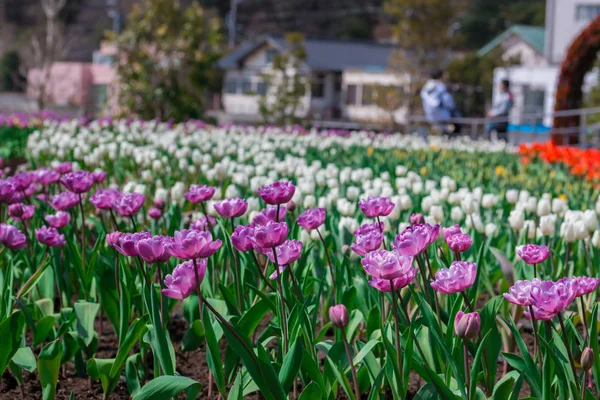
{"x": 273, "y": 257}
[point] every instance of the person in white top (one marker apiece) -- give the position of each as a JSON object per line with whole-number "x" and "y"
{"x": 438, "y": 103}
{"x": 501, "y": 110}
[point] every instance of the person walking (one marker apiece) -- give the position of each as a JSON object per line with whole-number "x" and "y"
{"x": 438, "y": 103}
{"x": 500, "y": 112}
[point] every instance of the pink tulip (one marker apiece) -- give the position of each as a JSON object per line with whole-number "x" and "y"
{"x": 374, "y": 207}
{"x": 103, "y": 199}
{"x": 189, "y": 244}
{"x": 58, "y": 220}
{"x": 467, "y": 326}
{"x": 383, "y": 285}
{"x": 277, "y": 193}
{"x": 366, "y": 243}
{"x": 129, "y": 204}
{"x": 64, "y": 201}
{"x": 201, "y": 224}
{"x": 50, "y": 237}
{"x": 20, "y": 212}
{"x": 339, "y": 316}
{"x": 270, "y": 235}
{"x": 12, "y": 238}
{"x": 7, "y": 190}
{"x": 532, "y": 253}
{"x": 459, "y": 242}
{"x": 460, "y": 276}
{"x": 520, "y": 292}
{"x": 231, "y": 208}
{"x": 269, "y": 214}
{"x": 152, "y": 250}
{"x": 450, "y": 231}
{"x": 126, "y": 242}
{"x": 383, "y": 264}
{"x": 312, "y": 218}
{"x": 155, "y": 213}
{"x": 199, "y": 194}
{"x": 417, "y": 219}
{"x": 287, "y": 253}
{"x": 78, "y": 181}
{"x": 182, "y": 282}
{"x": 242, "y": 238}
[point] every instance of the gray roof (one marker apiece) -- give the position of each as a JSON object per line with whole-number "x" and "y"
{"x": 322, "y": 55}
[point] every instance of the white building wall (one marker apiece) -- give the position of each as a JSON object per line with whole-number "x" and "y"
{"x": 370, "y": 113}
{"x": 515, "y": 47}
{"x": 563, "y": 26}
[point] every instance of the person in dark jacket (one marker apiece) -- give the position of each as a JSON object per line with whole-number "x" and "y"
{"x": 501, "y": 110}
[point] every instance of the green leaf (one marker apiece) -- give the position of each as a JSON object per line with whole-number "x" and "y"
{"x": 25, "y": 359}
{"x": 100, "y": 369}
{"x": 48, "y": 368}
{"x": 594, "y": 345}
{"x": 10, "y": 332}
{"x": 165, "y": 387}
{"x": 194, "y": 337}
{"x": 138, "y": 328}
{"x": 312, "y": 391}
{"x": 427, "y": 392}
{"x": 86, "y": 314}
{"x": 504, "y": 387}
{"x": 43, "y": 329}
{"x": 132, "y": 366}
{"x": 291, "y": 365}
{"x": 506, "y": 266}
{"x": 213, "y": 355}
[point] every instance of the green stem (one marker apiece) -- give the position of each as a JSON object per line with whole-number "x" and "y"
{"x": 397, "y": 331}
{"x": 567, "y": 345}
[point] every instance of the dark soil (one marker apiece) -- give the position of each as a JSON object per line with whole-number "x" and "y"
{"x": 189, "y": 363}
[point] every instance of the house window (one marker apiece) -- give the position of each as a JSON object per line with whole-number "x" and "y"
{"x": 269, "y": 55}
{"x": 317, "y": 89}
{"x": 246, "y": 86}
{"x": 586, "y": 12}
{"x": 231, "y": 86}
{"x": 351, "y": 95}
{"x": 533, "y": 100}
{"x": 368, "y": 95}
{"x": 261, "y": 88}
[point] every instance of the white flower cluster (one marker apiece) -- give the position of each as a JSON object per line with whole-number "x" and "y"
{"x": 145, "y": 156}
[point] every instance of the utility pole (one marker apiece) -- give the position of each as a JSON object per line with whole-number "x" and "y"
{"x": 232, "y": 22}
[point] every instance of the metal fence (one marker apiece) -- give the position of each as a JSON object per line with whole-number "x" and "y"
{"x": 525, "y": 128}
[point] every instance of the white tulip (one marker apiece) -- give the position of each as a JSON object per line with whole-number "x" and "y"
{"x": 590, "y": 220}
{"x": 567, "y": 231}
{"x": 516, "y": 219}
{"x": 491, "y": 229}
{"x": 437, "y": 213}
{"x": 529, "y": 227}
{"x": 543, "y": 207}
{"x": 596, "y": 239}
{"x": 512, "y": 196}
{"x": 548, "y": 224}
{"x": 489, "y": 201}
{"x": 456, "y": 214}
{"x": 469, "y": 205}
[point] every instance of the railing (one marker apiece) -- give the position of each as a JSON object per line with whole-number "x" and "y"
{"x": 589, "y": 133}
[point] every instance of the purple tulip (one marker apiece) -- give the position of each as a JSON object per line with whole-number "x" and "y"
{"x": 152, "y": 250}
{"x": 20, "y": 212}
{"x": 549, "y": 298}
{"x": 368, "y": 228}
{"x": 99, "y": 176}
{"x": 112, "y": 239}
{"x": 64, "y": 201}
{"x": 459, "y": 242}
{"x": 129, "y": 204}
{"x": 532, "y": 253}
{"x": 383, "y": 285}
{"x": 269, "y": 214}
{"x": 376, "y": 206}
{"x": 64, "y": 167}
{"x": 367, "y": 242}
{"x": 277, "y": 193}
{"x": 23, "y": 180}
{"x": 450, "y": 231}
{"x": 417, "y": 219}
{"x": 12, "y": 238}
{"x": 103, "y": 199}
{"x": 201, "y": 224}
{"x": 189, "y": 244}
{"x": 467, "y": 326}
{"x": 312, "y": 218}
{"x": 126, "y": 242}
{"x": 160, "y": 204}
{"x": 182, "y": 282}
{"x": 413, "y": 240}
{"x": 7, "y": 190}
{"x": 47, "y": 176}
{"x": 231, "y": 208}
{"x": 339, "y": 316}
{"x": 287, "y": 253}
{"x": 242, "y": 238}
{"x": 270, "y": 235}
{"x": 78, "y": 181}
{"x": 583, "y": 285}
{"x": 199, "y": 194}
{"x": 31, "y": 189}
{"x": 460, "y": 276}
{"x": 50, "y": 237}
{"x": 155, "y": 213}
{"x": 383, "y": 264}
{"x": 520, "y": 292}
{"x": 58, "y": 220}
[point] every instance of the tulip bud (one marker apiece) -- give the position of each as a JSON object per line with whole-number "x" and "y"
{"x": 587, "y": 359}
{"x": 339, "y": 316}
{"x": 417, "y": 219}
{"x": 466, "y": 326}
